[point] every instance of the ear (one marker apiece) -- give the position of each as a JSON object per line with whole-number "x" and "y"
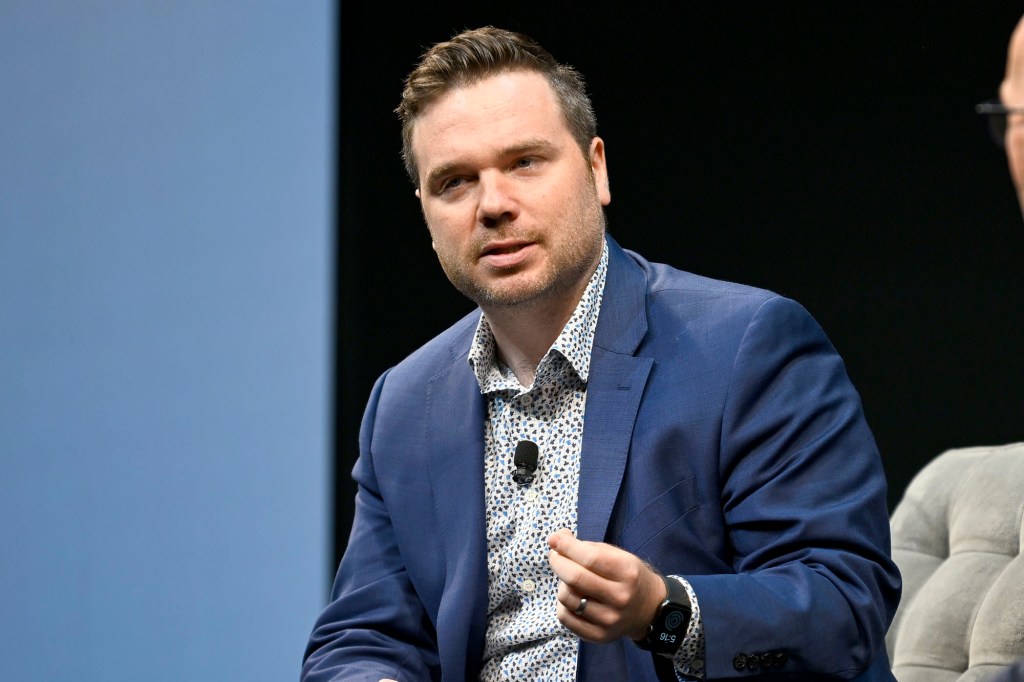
{"x": 417, "y": 192}
{"x": 599, "y": 168}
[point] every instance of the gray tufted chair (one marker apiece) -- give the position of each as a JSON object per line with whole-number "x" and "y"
{"x": 957, "y": 536}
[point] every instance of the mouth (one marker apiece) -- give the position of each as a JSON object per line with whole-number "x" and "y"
{"x": 505, "y": 254}
{"x": 502, "y": 249}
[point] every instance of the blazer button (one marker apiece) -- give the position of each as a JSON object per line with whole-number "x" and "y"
{"x": 739, "y": 661}
{"x": 753, "y": 661}
{"x": 781, "y": 659}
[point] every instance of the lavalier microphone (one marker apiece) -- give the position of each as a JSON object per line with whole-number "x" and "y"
{"x": 525, "y": 461}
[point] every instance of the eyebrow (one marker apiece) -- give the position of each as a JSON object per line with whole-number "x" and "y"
{"x": 525, "y": 147}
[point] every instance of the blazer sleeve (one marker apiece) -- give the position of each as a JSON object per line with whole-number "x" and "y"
{"x": 375, "y": 626}
{"x": 804, "y": 503}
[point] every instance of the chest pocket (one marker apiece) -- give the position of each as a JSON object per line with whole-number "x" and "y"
{"x": 663, "y": 519}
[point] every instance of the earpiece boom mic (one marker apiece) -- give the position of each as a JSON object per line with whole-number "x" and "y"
{"x": 526, "y": 462}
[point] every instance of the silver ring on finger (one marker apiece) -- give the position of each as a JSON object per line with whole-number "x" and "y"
{"x": 582, "y": 607}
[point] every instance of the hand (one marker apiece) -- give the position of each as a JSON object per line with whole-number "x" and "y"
{"x": 622, "y": 591}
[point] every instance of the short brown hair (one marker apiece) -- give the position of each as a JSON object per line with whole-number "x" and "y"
{"x": 480, "y": 53}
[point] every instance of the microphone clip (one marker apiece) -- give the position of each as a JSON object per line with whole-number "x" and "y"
{"x": 525, "y": 461}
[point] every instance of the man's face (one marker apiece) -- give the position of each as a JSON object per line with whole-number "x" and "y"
{"x": 513, "y": 207}
{"x": 1011, "y": 93}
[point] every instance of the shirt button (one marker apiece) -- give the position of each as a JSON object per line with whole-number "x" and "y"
{"x": 527, "y": 399}
{"x": 530, "y": 495}
{"x": 529, "y": 585}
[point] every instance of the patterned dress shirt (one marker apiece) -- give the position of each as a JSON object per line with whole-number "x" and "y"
{"x": 524, "y": 639}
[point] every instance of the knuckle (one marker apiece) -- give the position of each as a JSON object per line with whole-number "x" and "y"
{"x": 619, "y": 597}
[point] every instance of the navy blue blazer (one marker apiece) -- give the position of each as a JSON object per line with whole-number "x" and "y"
{"x": 1012, "y": 673}
{"x": 723, "y": 441}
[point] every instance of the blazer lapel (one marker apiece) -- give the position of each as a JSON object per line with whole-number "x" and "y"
{"x": 455, "y": 443}
{"x": 615, "y": 385}
{"x": 613, "y": 397}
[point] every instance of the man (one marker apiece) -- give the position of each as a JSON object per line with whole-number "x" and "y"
{"x": 1011, "y": 94}
{"x": 612, "y": 470}
{"x": 1009, "y": 120}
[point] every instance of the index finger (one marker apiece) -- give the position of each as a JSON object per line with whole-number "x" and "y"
{"x": 602, "y": 559}
{"x": 559, "y": 537}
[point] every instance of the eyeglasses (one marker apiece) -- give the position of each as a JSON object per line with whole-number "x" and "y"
{"x": 996, "y": 113}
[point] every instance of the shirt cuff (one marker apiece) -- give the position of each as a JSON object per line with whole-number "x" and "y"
{"x": 688, "y": 661}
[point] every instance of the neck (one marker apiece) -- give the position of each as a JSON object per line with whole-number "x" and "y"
{"x": 523, "y": 335}
{"x": 524, "y": 331}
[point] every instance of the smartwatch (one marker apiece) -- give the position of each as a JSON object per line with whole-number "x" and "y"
{"x": 666, "y": 632}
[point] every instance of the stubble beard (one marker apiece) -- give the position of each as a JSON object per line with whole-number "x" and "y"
{"x": 569, "y": 260}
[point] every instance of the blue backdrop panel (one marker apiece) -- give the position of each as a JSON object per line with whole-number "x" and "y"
{"x": 165, "y": 297}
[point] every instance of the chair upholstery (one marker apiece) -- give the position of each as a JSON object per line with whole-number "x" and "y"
{"x": 957, "y": 535}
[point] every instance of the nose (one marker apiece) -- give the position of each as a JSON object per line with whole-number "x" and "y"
{"x": 497, "y": 204}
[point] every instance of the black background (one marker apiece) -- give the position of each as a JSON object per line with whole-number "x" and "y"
{"x": 827, "y": 151}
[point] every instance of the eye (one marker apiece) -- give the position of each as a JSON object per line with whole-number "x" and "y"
{"x": 450, "y": 184}
{"x": 525, "y": 162}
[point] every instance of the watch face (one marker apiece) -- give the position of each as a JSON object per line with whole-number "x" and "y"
{"x": 668, "y": 631}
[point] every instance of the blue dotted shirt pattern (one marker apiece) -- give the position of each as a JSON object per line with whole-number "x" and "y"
{"x": 524, "y": 639}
